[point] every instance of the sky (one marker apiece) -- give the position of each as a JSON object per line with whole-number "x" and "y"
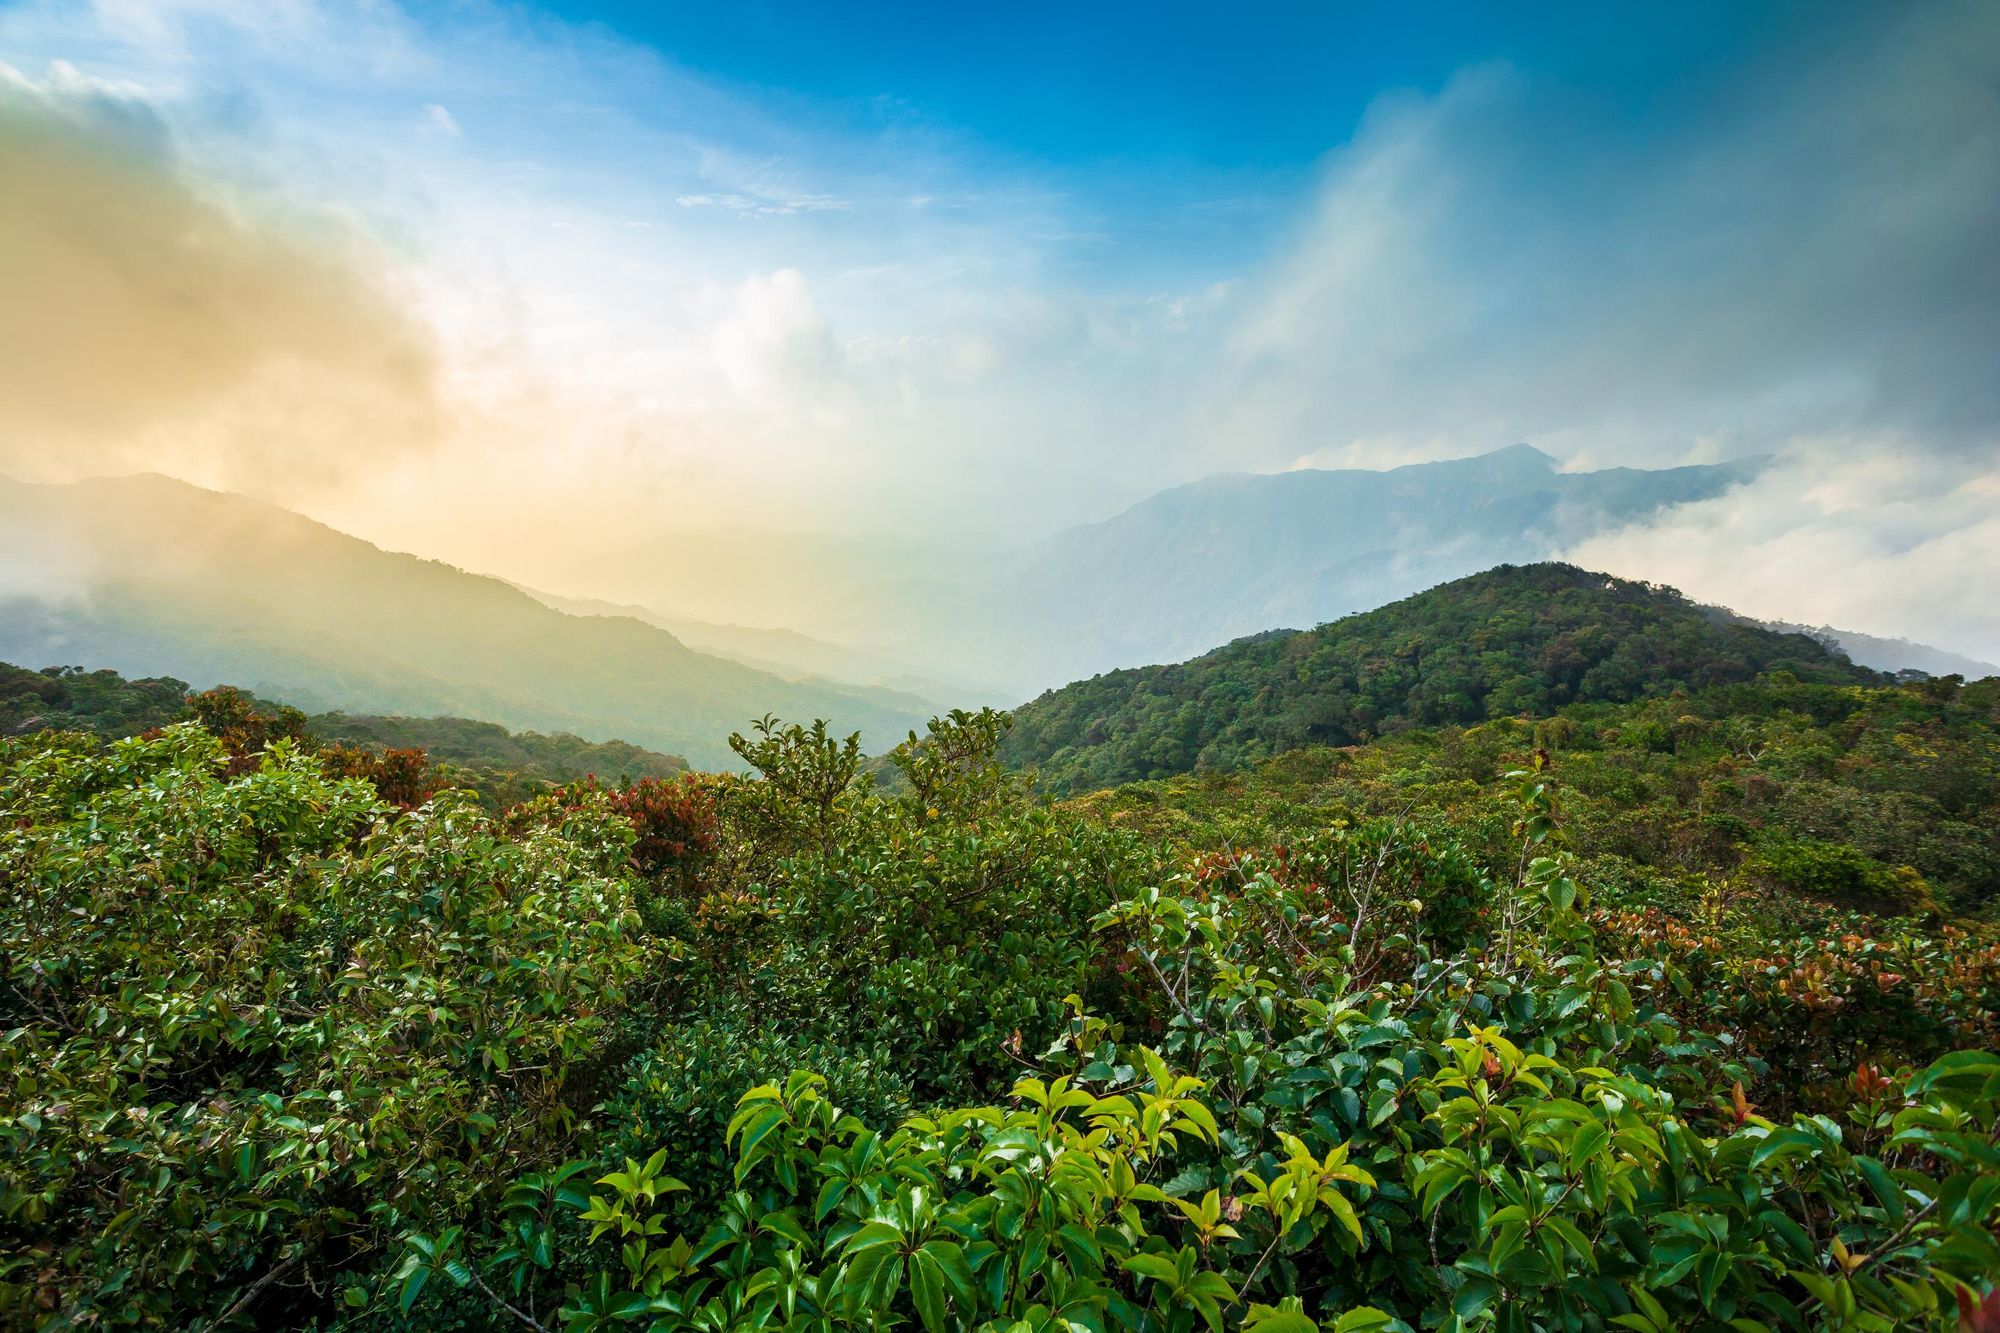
{"x": 516, "y": 285}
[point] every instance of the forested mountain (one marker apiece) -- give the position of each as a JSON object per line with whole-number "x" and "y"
{"x": 1514, "y": 640}
{"x": 503, "y": 765}
{"x": 1881, "y": 797}
{"x": 153, "y": 576}
{"x": 1179, "y": 572}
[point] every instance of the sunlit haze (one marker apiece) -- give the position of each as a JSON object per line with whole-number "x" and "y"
{"x": 521, "y": 286}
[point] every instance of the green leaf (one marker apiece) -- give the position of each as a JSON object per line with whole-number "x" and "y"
{"x": 1338, "y": 1205}
{"x": 927, "y": 1291}
{"x": 873, "y": 1236}
{"x": 413, "y": 1286}
{"x": 1266, "y": 1319}
{"x": 1081, "y": 1248}
{"x": 1156, "y": 1266}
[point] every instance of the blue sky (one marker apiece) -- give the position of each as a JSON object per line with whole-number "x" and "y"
{"x": 1197, "y": 127}
{"x": 1203, "y": 87}
{"x": 1000, "y": 269}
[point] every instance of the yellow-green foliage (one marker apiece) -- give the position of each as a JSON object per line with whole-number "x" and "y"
{"x": 787, "y": 1052}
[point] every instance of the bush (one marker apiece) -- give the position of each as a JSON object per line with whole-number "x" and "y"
{"x": 1836, "y": 873}
{"x": 1520, "y": 1137}
{"x": 794, "y": 1052}
{"x": 255, "y": 1027}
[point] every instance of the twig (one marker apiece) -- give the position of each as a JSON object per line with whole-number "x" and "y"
{"x": 1255, "y": 1272}
{"x": 257, "y": 1289}
{"x": 1168, "y": 986}
{"x": 500, "y": 1301}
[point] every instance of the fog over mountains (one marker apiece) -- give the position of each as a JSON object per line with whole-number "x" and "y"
{"x": 1177, "y": 573}
{"x": 153, "y": 576}
{"x": 161, "y": 578}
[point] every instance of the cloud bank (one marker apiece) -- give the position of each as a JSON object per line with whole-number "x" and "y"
{"x": 149, "y": 323}
{"x": 535, "y": 291}
{"x": 1812, "y": 248}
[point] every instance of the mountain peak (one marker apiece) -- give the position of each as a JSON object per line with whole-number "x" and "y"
{"x": 1521, "y": 452}
{"x": 1512, "y": 640}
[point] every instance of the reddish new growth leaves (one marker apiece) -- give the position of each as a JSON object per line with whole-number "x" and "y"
{"x": 402, "y": 777}
{"x": 1740, "y": 1106}
{"x": 244, "y": 729}
{"x": 674, "y": 818}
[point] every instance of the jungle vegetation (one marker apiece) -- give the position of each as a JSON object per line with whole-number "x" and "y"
{"x": 1513, "y": 641}
{"x": 502, "y": 766}
{"x": 1478, "y": 1029}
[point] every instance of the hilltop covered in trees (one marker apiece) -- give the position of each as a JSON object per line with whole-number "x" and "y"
{"x": 1883, "y": 798}
{"x": 1521, "y": 640}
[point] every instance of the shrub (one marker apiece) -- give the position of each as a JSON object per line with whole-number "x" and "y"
{"x": 254, "y": 1028}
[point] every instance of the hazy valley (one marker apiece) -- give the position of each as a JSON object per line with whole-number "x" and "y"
{"x": 788, "y": 668}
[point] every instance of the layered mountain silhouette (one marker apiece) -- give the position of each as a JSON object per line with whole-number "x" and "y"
{"x": 788, "y": 653}
{"x": 1892, "y": 655}
{"x": 1181, "y": 571}
{"x": 155, "y": 577}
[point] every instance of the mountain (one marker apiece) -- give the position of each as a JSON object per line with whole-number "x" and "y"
{"x": 156, "y": 577}
{"x": 1891, "y": 655}
{"x": 1172, "y": 575}
{"x": 1513, "y": 640}
{"x": 505, "y": 766}
{"x": 789, "y": 653}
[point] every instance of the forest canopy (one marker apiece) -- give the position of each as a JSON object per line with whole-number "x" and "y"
{"x": 1516, "y": 640}
{"x": 792, "y": 1051}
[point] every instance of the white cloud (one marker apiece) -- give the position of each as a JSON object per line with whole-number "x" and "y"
{"x": 748, "y": 206}
{"x": 655, "y": 300}
{"x": 1873, "y": 537}
{"x": 773, "y": 347}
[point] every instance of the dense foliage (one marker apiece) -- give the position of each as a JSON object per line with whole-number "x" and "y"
{"x": 1885, "y": 798}
{"x": 504, "y": 765}
{"x": 72, "y": 699}
{"x": 430, "y": 752}
{"x": 792, "y": 1051}
{"x": 1511, "y": 641}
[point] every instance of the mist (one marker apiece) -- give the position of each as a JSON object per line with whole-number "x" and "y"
{"x": 535, "y": 314}
{"x": 154, "y": 323}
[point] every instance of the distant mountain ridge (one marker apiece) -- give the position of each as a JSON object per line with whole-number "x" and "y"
{"x": 156, "y": 577}
{"x": 1184, "y": 569}
{"x": 1512, "y": 640}
{"x": 786, "y": 652}
{"x": 1891, "y": 655}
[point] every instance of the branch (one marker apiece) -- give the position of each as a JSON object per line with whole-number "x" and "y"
{"x": 257, "y": 1289}
{"x": 500, "y": 1301}
{"x": 1168, "y": 987}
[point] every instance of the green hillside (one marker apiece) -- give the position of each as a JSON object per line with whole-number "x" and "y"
{"x": 1521, "y": 640}
{"x": 502, "y": 765}
{"x": 1883, "y": 797}
{"x": 153, "y": 577}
